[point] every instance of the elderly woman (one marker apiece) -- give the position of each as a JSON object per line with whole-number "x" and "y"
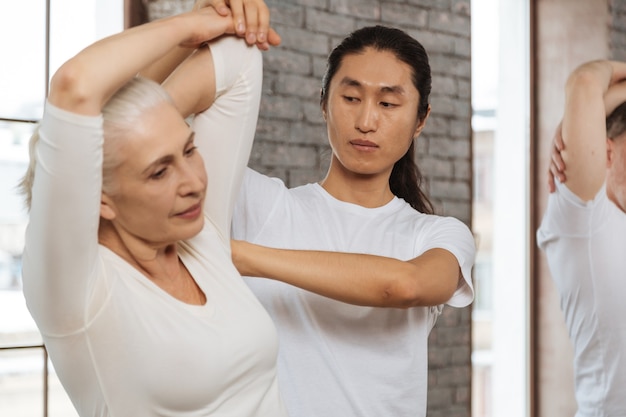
{"x": 137, "y": 319}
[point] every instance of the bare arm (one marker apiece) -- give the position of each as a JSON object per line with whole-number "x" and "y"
{"x": 251, "y": 20}
{"x": 191, "y": 86}
{"x": 589, "y": 96}
{"x": 615, "y": 96}
{"x": 378, "y": 281}
{"x": 84, "y": 83}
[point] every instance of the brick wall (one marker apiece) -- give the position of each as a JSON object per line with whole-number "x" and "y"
{"x": 617, "y": 29}
{"x": 291, "y": 137}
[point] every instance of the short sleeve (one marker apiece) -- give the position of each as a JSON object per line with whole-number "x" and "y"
{"x": 454, "y": 236}
{"x": 259, "y": 198}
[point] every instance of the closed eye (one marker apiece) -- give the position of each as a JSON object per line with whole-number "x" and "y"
{"x": 159, "y": 174}
{"x": 191, "y": 150}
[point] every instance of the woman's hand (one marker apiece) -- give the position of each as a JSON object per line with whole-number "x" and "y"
{"x": 257, "y": 18}
{"x": 557, "y": 166}
{"x": 207, "y": 25}
{"x": 251, "y": 20}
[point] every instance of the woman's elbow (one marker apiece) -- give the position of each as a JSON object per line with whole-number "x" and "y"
{"x": 69, "y": 89}
{"x": 415, "y": 291}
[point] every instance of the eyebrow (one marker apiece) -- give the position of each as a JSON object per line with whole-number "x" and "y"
{"x": 169, "y": 158}
{"x": 350, "y": 82}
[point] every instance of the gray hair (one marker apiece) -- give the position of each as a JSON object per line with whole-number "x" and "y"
{"x": 25, "y": 186}
{"x": 121, "y": 114}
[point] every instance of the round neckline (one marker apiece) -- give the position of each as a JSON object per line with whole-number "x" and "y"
{"x": 392, "y": 205}
{"x": 141, "y": 279}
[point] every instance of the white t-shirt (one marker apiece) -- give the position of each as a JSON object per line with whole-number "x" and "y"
{"x": 121, "y": 345}
{"x": 337, "y": 359}
{"x": 585, "y": 244}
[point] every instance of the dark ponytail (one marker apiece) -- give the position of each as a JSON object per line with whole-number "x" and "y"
{"x": 406, "y": 182}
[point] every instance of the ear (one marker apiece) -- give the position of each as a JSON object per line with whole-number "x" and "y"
{"x": 107, "y": 207}
{"x": 323, "y": 107}
{"x": 609, "y": 152}
{"x": 421, "y": 124}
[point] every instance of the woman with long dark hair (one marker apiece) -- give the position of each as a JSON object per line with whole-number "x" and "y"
{"x": 357, "y": 360}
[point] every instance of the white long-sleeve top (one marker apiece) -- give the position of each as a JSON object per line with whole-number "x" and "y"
{"x": 121, "y": 345}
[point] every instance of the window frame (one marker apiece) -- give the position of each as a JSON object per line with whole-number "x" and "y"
{"x": 134, "y": 14}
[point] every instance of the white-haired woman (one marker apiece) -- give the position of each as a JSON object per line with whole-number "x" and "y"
{"x": 127, "y": 269}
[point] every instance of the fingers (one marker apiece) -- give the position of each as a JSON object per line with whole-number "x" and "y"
{"x": 273, "y": 38}
{"x": 558, "y": 139}
{"x": 239, "y": 17}
{"x": 556, "y": 171}
{"x": 251, "y": 19}
{"x": 556, "y": 160}
{"x": 220, "y": 6}
{"x": 553, "y": 176}
{"x": 551, "y": 184}
{"x": 262, "y": 24}
{"x": 557, "y": 167}
{"x": 252, "y": 24}
{"x": 256, "y": 22}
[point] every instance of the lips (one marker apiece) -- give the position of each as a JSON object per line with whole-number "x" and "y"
{"x": 362, "y": 142}
{"x": 363, "y": 145}
{"x": 192, "y": 212}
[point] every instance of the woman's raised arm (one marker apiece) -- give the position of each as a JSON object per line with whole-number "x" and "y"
{"x": 84, "y": 83}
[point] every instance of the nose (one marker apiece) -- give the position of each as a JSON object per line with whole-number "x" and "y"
{"x": 367, "y": 117}
{"x": 193, "y": 178}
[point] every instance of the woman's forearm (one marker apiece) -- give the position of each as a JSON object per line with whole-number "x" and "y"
{"x": 86, "y": 82}
{"x": 251, "y": 21}
{"x": 159, "y": 71}
{"x": 355, "y": 278}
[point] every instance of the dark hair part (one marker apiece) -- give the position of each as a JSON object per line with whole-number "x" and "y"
{"x": 405, "y": 180}
{"x": 616, "y": 122}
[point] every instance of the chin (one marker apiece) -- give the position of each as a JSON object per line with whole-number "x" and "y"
{"x": 193, "y": 230}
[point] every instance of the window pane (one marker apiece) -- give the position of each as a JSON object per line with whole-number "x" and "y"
{"x": 22, "y": 76}
{"x": 88, "y": 21}
{"x": 16, "y": 326}
{"x": 21, "y": 382}
{"x": 22, "y": 388}
{"x": 73, "y": 25}
{"x": 500, "y": 121}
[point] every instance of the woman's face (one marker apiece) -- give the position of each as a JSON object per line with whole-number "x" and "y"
{"x": 160, "y": 182}
{"x": 371, "y": 112}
